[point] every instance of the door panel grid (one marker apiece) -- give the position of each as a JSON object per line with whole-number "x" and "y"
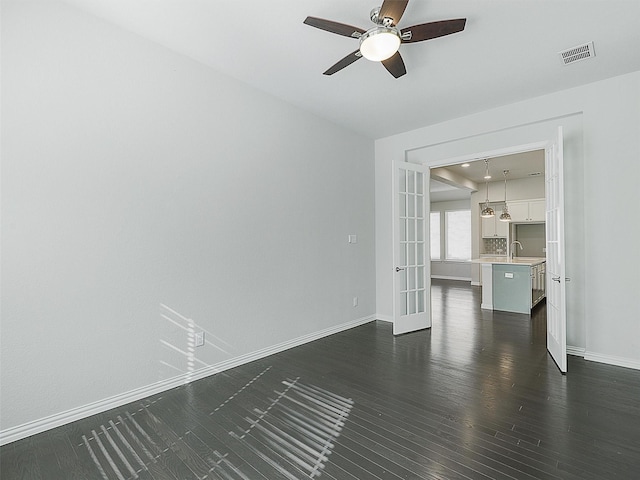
{"x": 412, "y": 244}
{"x": 556, "y": 270}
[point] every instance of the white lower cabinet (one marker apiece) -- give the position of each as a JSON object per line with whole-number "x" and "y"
{"x": 538, "y": 279}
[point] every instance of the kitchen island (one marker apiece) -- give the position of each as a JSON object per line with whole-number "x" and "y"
{"x": 512, "y": 285}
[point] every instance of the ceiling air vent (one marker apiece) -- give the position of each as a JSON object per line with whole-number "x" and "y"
{"x": 575, "y": 54}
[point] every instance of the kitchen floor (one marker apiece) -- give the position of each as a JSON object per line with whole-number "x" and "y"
{"x": 476, "y": 396}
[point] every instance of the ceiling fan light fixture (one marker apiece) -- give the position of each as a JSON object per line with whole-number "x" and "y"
{"x": 379, "y": 43}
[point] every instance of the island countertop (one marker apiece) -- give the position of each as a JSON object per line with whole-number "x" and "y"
{"x": 531, "y": 261}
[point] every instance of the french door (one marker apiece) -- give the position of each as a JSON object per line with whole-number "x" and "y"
{"x": 412, "y": 267}
{"x": 556, "y": 271}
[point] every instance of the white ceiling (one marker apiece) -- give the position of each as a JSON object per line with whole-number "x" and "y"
{"x": 519, "y": 165}
{"x": 507, "y": 52}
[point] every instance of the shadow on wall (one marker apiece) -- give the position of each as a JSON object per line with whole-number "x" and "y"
{"x": 180, "y": 342}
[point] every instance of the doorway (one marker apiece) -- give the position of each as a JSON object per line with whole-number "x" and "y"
{"x": 555, "y": 248}
{"x": 556, "y": 332}
{"x": 462, "y": 186}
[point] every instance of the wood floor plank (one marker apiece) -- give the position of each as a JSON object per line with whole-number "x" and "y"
{"x": 18, "y": 460}
{"x": 476, "y": 396}
{"x": 68, "y": 465}
{"x": 207, "y": 437}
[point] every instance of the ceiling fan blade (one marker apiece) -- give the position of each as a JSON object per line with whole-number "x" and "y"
{"x": 427, "y": 31}
{"x": 345, "y": 62}
{"x": 393, "y": 9}
{"x": 334, "y": 27}
{"x": 395, "y": 65}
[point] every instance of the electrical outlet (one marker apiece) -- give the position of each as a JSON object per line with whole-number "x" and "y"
{"x": 199, "y": 339}
{"x": 355, "y": 301}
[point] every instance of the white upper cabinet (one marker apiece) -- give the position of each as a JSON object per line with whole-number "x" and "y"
{"x": 492, "y": 226}
{"x": 488, "y": 227}
{"x": 527, "y": 210}
{"x": 502, "y": 228}
{"x": 519, "y": 211}
{"x": 537, "y": 211}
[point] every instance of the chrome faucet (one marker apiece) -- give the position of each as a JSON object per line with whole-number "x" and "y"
{"x": 512, "y": 250}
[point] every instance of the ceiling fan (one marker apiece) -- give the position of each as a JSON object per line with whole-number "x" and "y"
{"x": 381, "y": 42}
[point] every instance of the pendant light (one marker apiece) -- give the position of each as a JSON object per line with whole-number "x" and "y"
{"x": 487, "y": 211}
{"x": 505, "y": 217}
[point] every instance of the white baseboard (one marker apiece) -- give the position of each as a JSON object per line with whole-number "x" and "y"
{"x": 447, "y": 277}
{"x": 384, "y": 318}
{"x": 575, "y": 351}
{"x": 612, "y": 360}
{"x": 38, "y": 426}
{"x": 476, "y": 284}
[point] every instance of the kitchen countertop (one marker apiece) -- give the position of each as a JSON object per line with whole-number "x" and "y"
{"x": 531, "y": 261}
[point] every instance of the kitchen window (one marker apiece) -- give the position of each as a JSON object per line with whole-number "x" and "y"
{"x": 458, "y": 235}
{"x": 435, "y": 235}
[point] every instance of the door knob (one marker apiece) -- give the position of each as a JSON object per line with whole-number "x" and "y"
{"x": 398, "y": 269}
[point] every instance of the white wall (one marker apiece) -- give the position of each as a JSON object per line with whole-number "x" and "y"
{"x": 142, "y": 193}
{"x": 602, "y": 146}
{"x": 445, "y": 268}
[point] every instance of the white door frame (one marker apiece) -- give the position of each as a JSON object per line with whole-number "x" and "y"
{"x": 528, "y": 147}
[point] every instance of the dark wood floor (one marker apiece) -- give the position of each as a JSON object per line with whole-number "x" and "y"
{"x": 474, "y": 397}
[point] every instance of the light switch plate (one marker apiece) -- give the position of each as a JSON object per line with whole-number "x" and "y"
{"x": 353, "y": 239}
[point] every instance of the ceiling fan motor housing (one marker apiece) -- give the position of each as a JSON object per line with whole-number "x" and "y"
{"x": 375, "y": 18}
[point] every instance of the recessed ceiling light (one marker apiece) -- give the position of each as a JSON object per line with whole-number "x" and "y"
{"x": 465, "y": 165}
{"x": 487, "y": 177}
